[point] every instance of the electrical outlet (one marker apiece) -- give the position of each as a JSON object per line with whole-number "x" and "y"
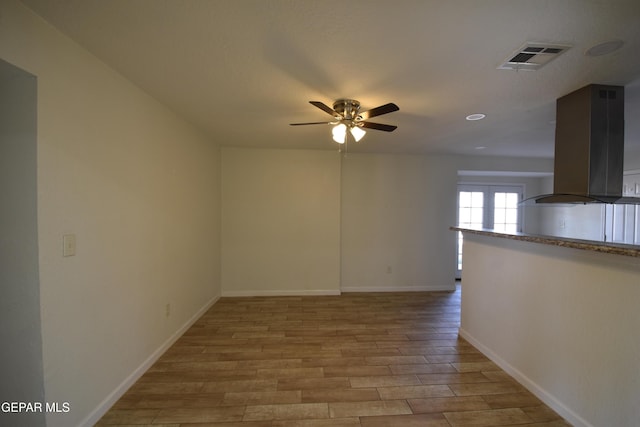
{"x": 167, "y": 310}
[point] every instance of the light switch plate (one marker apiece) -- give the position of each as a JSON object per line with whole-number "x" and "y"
{"x": 69, "y": 245}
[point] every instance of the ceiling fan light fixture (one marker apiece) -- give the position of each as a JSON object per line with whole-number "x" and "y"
{"x": 339, "y": 133}
{"x": 347, "y": 116}
{"x": 357, "y": 133}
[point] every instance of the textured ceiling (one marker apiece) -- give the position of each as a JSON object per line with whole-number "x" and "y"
{"x": 242, "y": 70}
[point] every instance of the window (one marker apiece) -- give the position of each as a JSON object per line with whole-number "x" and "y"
{"x": 505, "y": 211}
{"x": 488, "y": 206}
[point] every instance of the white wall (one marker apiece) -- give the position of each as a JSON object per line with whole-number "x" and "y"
{"x": 564, "y": 322}
{"x": 280, "y": 222}
{"x": 313, "y": 222}
{"x": 396, "y": 214}
{"x": 139, "y": 189}
{"x": 517, "y": 165}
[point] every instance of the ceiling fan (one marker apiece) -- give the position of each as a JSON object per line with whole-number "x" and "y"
{"x": 347, "y": 116}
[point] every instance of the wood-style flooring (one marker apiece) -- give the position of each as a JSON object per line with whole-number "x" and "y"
{"x": 358, "y": 359}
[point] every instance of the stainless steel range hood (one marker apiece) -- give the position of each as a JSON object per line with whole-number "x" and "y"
{"x": 589, "y": 147}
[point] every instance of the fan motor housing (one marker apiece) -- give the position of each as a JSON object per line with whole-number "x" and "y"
{"x": 348, "y": 108}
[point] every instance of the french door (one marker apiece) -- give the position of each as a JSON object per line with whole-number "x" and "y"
{"x": 488, "y": 206}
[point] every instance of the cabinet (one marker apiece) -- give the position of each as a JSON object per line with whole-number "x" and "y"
{"x": 622, "y": 222}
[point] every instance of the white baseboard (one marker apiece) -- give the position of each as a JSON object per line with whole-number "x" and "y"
{"x": 113, "y": 397}
{"x": 280, "y": 293}
{"x": 316, "y": 292}
{"x": 398, "y": 288}
{"x": 529, "y": 384}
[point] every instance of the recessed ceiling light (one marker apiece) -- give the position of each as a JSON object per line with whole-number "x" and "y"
{"x": 476, "y": 117}
{"x": 604, "y": 48}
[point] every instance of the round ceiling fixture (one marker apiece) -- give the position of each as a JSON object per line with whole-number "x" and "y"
{"x": 604, "y": 48}
{"x": 477, "y": 116}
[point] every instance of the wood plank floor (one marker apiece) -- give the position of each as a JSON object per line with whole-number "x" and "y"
{"x": 359, "y": 359}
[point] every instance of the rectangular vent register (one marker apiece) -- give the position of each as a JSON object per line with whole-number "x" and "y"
{"x": 532, "y": 56}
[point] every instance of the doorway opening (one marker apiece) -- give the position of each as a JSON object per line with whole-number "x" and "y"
{"x": 21, "y": 367}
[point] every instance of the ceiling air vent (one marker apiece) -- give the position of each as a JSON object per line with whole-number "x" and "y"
{"x": 532, "y": 56}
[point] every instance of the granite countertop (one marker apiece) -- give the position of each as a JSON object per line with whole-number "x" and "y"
{"x": 589, "y": 245}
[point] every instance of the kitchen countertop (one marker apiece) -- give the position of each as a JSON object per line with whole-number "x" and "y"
{"x": 588, "y": 245}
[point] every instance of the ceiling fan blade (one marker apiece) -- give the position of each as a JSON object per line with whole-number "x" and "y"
{"x": 378, "y": 126}
{"x": 325, "y": 108}
{"x": 310, "y": 123}
{"x": 378, "y": 111}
